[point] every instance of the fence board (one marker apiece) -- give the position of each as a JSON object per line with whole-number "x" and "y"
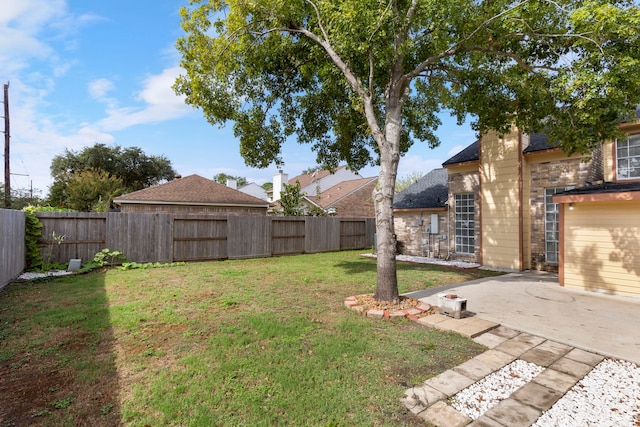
{"x": 155, "y": 237}
{"x": 142, "y": 237}
{"x": 322, "y": 235}
{"x": 288, "y": 236}
{"x": 12, "y": 246}
{"x": 84, "y": 235}
{"x": 353, "y": 234}
{"x": 199, "y": 238}
{"x": 249, "y": 237}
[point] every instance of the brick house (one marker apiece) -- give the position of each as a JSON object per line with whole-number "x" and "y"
{"x": 192, "y": 195}
{"x": 516, "y": 202}
{"x": 342, "y": 193}
{"x": 351, "y": 198}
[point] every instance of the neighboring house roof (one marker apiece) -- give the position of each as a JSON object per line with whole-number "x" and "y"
{"x": 308, "y": 178}
{"x": 254, "y": 190}
{"x": 471, "y": 153}
{"x": 191, "y": 190}
{"x": 430, "y": 191}
{"x": 340, "y": 191}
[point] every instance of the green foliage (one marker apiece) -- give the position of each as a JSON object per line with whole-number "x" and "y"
{"x": 361, "y": 81}
{"x": 406, "y": 181}
{"x": 21, "y": 198}
{"x": 54, "y": 239}
{"x": 112, "y": 170}
{"x": 107, "y": 257}
{"x": 267, "y": 186}
{"x": 146, "y": 265}
{"x": 222, "y": 178}
{"x": 92, "y": 190}
{"x": 33, "y": 234}
{"x": 291, "y": 200}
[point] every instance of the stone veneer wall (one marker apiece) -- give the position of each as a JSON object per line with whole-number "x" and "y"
{"x": 193, "y": 210}
{"x": 561, "y": 173}
{"x": 459, "y": 183}
{"x": 410, "y": 234}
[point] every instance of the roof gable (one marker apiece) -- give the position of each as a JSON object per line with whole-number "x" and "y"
{"x": 430, "y": 191}
{"x": 339, "y": 191}
{"x": 470, "y": 153}
{"x": 192, "y": 189}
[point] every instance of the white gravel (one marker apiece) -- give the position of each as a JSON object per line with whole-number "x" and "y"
{"x": 608, "y": 396}
{"x": 483, "y": 395}
{"x": 426, "y": 260}
{"x": 29, "y": 275}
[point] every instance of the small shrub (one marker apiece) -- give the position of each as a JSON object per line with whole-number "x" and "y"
{"x": 108, "y": 257}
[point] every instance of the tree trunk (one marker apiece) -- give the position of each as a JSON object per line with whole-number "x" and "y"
{"x": 387, "y": 281}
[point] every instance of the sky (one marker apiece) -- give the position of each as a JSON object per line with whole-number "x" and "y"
{"x": 85, "y": 72}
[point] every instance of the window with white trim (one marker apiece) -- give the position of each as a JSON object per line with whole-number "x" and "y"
{"x": 465, "y": 223}
{"x": 552, "y": 223}
{"x": 628, "y": 157}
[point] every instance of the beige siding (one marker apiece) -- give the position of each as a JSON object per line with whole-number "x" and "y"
{"x": 608, "y": 161}
{"x": 500, "y": 201}
{"x": 602, "y": 247}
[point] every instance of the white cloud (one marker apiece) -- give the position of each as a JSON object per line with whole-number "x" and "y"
{"x": 160, "y": 103}
{"x": 99, "y": 88}
{"x": 413, "y": 163}
{"x": 455, "y": 150}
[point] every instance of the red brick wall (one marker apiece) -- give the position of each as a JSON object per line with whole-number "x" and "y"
{"x": 561, "y": 173}
{"x": 357, "y": 205}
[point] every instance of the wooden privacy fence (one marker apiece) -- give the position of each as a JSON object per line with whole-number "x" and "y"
{"x": 147, "y": 237}
{"x": 12, "y": 246}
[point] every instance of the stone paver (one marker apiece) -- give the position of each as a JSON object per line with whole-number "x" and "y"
{"x": 555, "y": 380}
{"x": 419, "y": 398}
{"x": 571, "y": 367}
{"x": 485, "y": 422}
{"x": 495, "y": 359}
{"x": 443, "y": 415}
{"x": 565, "y": 366}
{"x": 546, "y": 353}
{"x": 449, "y": 382}
{"x": 512, "y": 413}
{"x": 536, "y": 395}
{"x": 520, "y": 344}
{"x": 473, "y": 368}
{"x": 585, "y": 357}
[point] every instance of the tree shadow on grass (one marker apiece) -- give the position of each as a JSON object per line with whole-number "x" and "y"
{"x": 57, "y": 362}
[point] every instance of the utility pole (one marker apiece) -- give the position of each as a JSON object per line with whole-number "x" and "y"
{"x": 7, "y": 171}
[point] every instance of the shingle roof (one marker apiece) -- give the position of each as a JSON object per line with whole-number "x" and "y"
{"x": 469, "y": 154}
{"x": 308, "y": 178}
{"x": 539, "y": 142}
{"x": 430, "y": 191}
{"x": 192, "y": 189}
{"x": 340, "y": 191}
{"x": 607, "y": 187}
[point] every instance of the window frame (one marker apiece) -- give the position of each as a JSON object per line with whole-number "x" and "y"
{"x": 464, "y": 223}
{"x": 631, "y": 142}
{"x": 552, "y": 245}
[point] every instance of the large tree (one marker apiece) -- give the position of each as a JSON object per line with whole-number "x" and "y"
{"x": 361, "y": 80}
{"x": 106, "y": 166}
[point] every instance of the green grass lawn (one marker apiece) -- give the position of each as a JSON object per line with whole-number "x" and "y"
{"x": 252, "y": 342}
